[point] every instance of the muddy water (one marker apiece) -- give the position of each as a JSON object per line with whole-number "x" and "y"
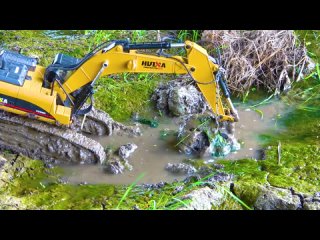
{"x": 154, "y": 152}
{"x": 252, "y": 124}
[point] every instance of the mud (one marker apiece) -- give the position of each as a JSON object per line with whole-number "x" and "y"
{"x": 100, "y": 123}
{"x": 47, "y": 142}
{"x": 55, "y": 144}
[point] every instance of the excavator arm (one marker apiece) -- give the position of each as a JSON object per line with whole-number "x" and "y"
{"x": 121, "y": 56}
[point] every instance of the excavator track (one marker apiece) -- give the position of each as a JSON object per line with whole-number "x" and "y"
{"x": 51, "y": 143}
{"x": 99, "y": 123}
{"x": 39, "y": 140}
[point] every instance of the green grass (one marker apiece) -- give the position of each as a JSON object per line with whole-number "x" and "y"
{"x": 192, "y": 35}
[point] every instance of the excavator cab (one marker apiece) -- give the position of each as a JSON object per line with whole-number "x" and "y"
{"x": 60, "y": 67}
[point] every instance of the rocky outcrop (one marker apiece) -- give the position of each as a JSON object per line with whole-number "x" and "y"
{"x": 126, "y": 150}
{"x": 180, "y": 168}
{"x": 2, "y": 161}
{"x": 118, "y": 161}
{"x": 272, "y": 198}
{"x": 312, "y": 203}
{"x": 114, "y": 165}
{"x": 179, "y": 98}
{"x": 201, "y": 135}
{"x": 202, "y": 199}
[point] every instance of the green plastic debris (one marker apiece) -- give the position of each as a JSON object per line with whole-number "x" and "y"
{"x": 221, "y": 146}
{"x": 151, "y": 123}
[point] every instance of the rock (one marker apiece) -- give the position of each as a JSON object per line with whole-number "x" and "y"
{"x": 2, "y": 161}
{"x": 202, "y": 199}
{"x": 317, "y": 194}
{"x": 117, "y": 161}
{"x": 185, "y": 100}
{"x": 178, "y": 189}
{"x": 191, "y": 179}
{"x": 114, "y": 165}
{"x": 63, "y": 180}
{"x": 194, "y": 142}
{"x": 202, "y": 136}
{"x": 180, "y": 168}
{"x": 178, "y": 99}
{"x": 126, "y": 150}
{"x": 312, "y": 203}
{"x": 153, "y": 185}
{"x": 218, "y": 166}
{"x": 221, "y": 177}
{"x": 272, "y": 198}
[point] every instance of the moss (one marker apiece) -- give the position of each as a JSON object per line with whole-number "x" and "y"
{"x": 30, "y": 185}
{"x": 121, "y": 98}
{"x": 299, "y": 169}
{"x": 245, "y": 170}
{"x": 36, "y": 43}
{"x": 197, "y": 163}
{"x": 247, "y": 191}
{"x": 39, "y": 187}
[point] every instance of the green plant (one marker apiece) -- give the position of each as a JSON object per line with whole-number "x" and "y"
{"x": 125, "y": 195}
{"x": 192, "y": 35}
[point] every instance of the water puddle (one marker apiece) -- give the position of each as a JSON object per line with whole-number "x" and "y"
{"x": 154, "y": 152}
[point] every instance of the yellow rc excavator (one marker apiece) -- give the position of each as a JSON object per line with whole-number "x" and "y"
{"x": 42, "y": 109}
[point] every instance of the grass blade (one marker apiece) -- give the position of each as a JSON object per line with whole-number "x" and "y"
{"x": 236, "y": 198}
{"x": 259, "y": 111}
{"x": 180, "y": 201}
{"x": 263, "y": 102}
{"x": 129, "y": 189}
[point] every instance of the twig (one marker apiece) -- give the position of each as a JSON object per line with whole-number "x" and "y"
{"x": 279, "y": 153}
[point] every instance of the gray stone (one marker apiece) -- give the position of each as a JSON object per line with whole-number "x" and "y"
{"x": 185, "y": 100}
{"x": 180, "y": 168}
{"x": 114, "y": 165}
{"x": 272, "y": 198}
{"x": 2, "y": 161}
{"x": 202, "y": 199}
{"x": 179, "y": 98}
{"x": 311, "y": 205}
{"x": 221, "y": 177}
{"x": 194, "y": 142}
{"x": 209, "y": 139}
{"x": 126, "y": 150}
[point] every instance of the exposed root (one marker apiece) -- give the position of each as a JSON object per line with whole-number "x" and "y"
{"x": 271, "y": 60}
